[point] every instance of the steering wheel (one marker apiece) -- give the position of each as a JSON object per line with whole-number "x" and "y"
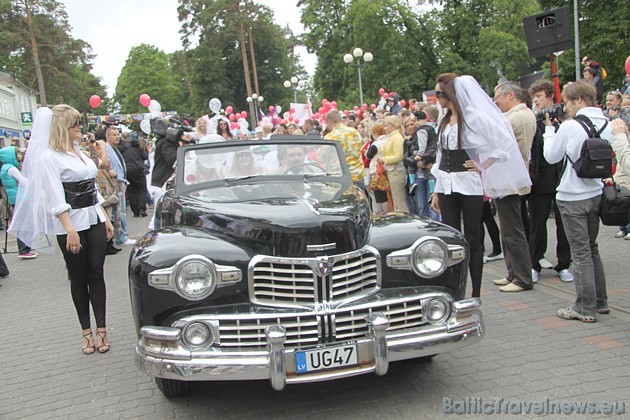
{"x": 300, "y": 165}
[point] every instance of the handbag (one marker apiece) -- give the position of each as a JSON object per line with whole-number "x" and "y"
{"x": 615, "y": 206}
{"x": 380, "y": 181}
{"x": 108, "y": 189}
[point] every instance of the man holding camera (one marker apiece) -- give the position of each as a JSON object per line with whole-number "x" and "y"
{"x": 117, "y": 162}
{"x": 578, "y": 200}
{"x": 544, "y": 178}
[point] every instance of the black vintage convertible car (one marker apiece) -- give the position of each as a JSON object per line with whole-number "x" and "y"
{"x": 267, "y": 263}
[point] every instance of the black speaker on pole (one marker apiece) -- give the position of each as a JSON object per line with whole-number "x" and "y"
{"x": 548, "y": 32}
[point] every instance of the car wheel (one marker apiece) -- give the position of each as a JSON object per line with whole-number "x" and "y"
{"x": 172, "y": 388}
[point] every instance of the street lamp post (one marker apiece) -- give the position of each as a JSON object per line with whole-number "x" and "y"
{"x": 358, "y": 54}
{"x": 295, "y": 83}
{"x": 256, "y": 101}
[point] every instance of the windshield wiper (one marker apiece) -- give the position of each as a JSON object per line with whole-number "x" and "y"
{"x": 318, "y": 174}
{"x": 236, "y": 179}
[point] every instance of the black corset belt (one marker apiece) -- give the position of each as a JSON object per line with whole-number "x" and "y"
{"x": 80, "y": 194}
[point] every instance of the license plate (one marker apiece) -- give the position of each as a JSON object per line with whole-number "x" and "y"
{"x": 333, "y": 357}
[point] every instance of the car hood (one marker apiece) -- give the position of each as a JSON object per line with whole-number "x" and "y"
{"x": 290, "y": 226}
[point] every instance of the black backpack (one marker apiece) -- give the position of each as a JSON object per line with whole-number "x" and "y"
{"x": 595, "y": 159}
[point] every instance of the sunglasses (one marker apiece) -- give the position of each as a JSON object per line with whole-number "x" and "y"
{"x": 440, "y": 94}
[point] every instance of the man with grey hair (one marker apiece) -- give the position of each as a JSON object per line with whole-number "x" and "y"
{"x": 508, "y": 97}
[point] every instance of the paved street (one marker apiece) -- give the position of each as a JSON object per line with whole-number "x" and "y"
{"x": 528, "y": 354}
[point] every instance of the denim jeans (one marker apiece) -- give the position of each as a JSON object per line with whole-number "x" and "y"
{"x": 581, "y": 224}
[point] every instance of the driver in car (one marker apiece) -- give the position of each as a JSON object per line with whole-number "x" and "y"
{"x": 291, "y": 158}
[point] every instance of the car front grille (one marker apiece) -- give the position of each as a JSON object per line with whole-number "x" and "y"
{"x": 290, "y": 282}
{"x": 305, "y": 330}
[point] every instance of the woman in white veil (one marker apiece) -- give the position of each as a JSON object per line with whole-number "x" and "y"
{"x": 477, "y": 155}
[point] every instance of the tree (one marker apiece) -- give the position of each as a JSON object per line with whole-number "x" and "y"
{"x": 603, "y": 36}
{"x": 35, "y": 45}
{"x": 216, "y": 68}
{"x": 148, "y": 70}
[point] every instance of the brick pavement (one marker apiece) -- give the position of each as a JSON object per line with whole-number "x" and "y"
{"x": 527, "y": 354}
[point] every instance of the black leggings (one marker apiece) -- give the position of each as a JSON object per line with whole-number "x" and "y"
{"x": 452, "y": 208}
{"x": 87, "y": 282}
{"x": 493, "y": 230}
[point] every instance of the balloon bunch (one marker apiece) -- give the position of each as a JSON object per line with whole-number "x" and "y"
{"x": 155, "y": 110}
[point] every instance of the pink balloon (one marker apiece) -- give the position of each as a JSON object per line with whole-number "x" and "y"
{"x": 237, "y": 115}
{"x": 231, "y": 117}
{"x": 385, "y": 96}
{"x": 373, "y": 107}
{"x": 296, "y": 121}
{"x": 95, "y": 101}
{"x": 381, "y": 91}
{"x": 345, "y": 111}
{"x": 334, "y": 104}
{"x": 272, "y": 108}
{"x": 316, "y": 116}
{"x": 229, "y": 109}
{"x": 321, "y": 109}
{"x": 291, "y": 110}
{"x": 356, "y": 108}
{"x": 403, "y": 102}
{"x": 324, "y": 102}
{"x": 290, "y": 117}
{"x": 628, "y": 65}
{"x": 364, "y": 106}
{"x": 233, "y": 126}
{"x": 243, "y": 114}
{"x": 145, "y": 99}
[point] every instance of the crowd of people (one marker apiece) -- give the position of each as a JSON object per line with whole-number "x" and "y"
{"x": 457, "y": 161}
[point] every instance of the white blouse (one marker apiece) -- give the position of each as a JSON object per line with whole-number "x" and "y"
{"x": 467, "y": 182}
{"x": 67, "y": 166}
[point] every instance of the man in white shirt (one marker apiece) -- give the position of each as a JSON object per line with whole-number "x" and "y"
{"x": 578, "y": 200}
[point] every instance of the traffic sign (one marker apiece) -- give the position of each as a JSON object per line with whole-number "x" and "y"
{"x": 26, "y": 134}
{"x": 27, "y": 118}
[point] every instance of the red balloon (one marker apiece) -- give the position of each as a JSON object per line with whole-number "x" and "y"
{"x": 324, "y": 102}
{"x": 403, "y": 102}
{"x": 381, "y": 91}
{"x": 334, "y": 104}
{"x": 291, "y": 110}
{"x": 229, "y": 110}
{"x": 385, "y": 96}
{"x": 243, "y": 114}
{"x": 356, "y": 108}
{"x": 145, "y": 100}
{"x": 95, "y": 101}
{"x": 628, "y": 65}
{"x": 231, "y": 117}
{"x": 373, "y": 107}
{"x": 290, "y": 117}
{"x": 345, "y": 111}
{"x": 296, "y": 121}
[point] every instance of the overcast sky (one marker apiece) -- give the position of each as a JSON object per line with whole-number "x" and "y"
{"x": 113, "y": 27}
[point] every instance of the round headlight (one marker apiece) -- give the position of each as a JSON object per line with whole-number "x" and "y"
{"x": 195, "y": 279}
{"x": 196, "y": 334}
{"x": 430, "y": 258}
{"x": 436, "y": 310}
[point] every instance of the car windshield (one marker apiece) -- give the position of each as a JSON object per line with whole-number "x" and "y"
{"x": 272, "y": 164}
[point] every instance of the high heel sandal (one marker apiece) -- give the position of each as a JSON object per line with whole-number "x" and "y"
{"x": 87, "y": 349}
{"x": 102, "y": 336}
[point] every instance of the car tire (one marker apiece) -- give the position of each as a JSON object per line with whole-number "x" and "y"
{"x": 172, "y": 388}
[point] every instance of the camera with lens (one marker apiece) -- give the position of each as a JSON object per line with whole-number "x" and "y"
{"x": 172, "y": 131}
{"x": 555, "y": 112}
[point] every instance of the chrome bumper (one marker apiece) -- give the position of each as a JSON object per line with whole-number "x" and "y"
{"x": 160, "y": 352}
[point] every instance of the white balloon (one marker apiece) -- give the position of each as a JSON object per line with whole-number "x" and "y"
{"x": 278, "y": 109}
{"x": 215, "y": 105}
{"x": 145, "y": 126}
{"x": 155, "y": 106}
{"x": 242, "y": 122}
{"x": 157, "y": 114}
{"x": 266, "y": 120}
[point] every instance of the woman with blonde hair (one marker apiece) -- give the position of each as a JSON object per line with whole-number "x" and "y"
{"x": 61, "y": 199}
{"x": 393, "y": 151}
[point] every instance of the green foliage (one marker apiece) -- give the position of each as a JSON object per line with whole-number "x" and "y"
{"x": 148, "y": 70}
{"x": 604, "y": 36}
{"x": 65, "y": 61}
